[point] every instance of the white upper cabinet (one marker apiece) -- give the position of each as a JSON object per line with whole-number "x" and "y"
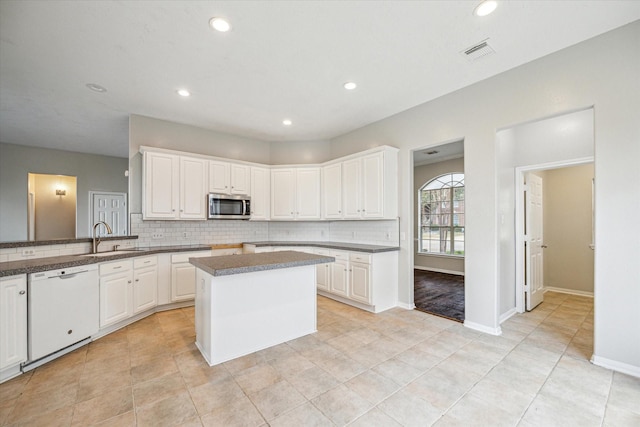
{"x": 308, "y": 193}
{"x": 161, "y": 186}
{"x": 332, "y": 191}
{"x": 193, "y": 182}
{"x": 229, "y": 178}
{"x": 174, "y": 187}
{"x": 260, "y": 191}
{"x": 370, "y": 185}
{"x": 295, "y": 193}
{"x": 352, "y": 188}
{"x": 283, "y": 196}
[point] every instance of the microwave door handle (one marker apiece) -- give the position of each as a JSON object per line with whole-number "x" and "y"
{"x": 244, "y": 207}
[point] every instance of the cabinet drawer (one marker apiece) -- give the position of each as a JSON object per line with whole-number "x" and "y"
{"x": 342, "y": 256}
{"x": 360, "y": 257}
{"x": 184, "y": 256}
{"x": 147, "y": 261}
{"x": 115, "y": 267}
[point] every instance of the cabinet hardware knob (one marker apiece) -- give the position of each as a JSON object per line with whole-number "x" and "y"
{"x": 70, "y": 331}
{"x": 137, "y": 280}
{"x": 128, "y": 281}
{"x": 22, "y": 292}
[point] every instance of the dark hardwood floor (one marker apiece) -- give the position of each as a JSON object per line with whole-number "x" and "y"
{"x": 439, "y": 293}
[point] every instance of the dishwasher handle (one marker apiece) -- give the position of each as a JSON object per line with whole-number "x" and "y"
{"x": 69, "y": 276}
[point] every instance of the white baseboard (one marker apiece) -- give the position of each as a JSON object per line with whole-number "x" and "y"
{"x": 507, "y": 315}
{"x": 614, "y": 365}
{"x": 438, "y": 270}
{"x": 568, "y": 291}
{"x": 483, "y": 328}
{"x": 406, "y": 306}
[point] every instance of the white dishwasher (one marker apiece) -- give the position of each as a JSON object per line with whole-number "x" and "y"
{"x": 63, "y": 307}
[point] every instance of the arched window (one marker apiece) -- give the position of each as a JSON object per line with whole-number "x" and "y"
{"x": 441, "y": 228}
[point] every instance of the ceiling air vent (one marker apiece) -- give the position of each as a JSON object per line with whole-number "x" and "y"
{"x": 478, "y": 51}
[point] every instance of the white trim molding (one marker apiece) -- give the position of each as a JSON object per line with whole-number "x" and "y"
{"x": 406, "y": 306}
{"x": 614, "y": 365}
{"x": 483, "y": 328}
{"x": 506, "y": 316}
{"x": 438, "y": 270}
{"x": 568, "y": 291}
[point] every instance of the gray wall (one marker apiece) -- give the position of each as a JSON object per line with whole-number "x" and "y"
{"x": 601, "y": 72}
{"x": 147, "y": 131}
{"x": 568, "y": 259}
{"x": 421, "y": 175}
{"x": 94, "y": 172}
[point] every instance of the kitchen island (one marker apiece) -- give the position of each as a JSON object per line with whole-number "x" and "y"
{"x": 245, "y": 303}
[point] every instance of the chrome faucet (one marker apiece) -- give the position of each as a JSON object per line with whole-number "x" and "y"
{"x": 97, "y": 242}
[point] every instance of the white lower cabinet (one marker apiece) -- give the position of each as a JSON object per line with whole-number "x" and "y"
{"x": 360, "y": 289}
{"x": 183, "y": 275}
{"x": 13, "y": 322}
{"x": 367, "y": 281}
{"x": 115, "y": 292}
{"x": 145, "y": 284}
{"x": 339, "y": 284}
{"x": 127, "y": 287}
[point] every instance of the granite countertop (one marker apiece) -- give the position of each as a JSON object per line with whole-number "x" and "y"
{"x": 357, "y": 247}
{"x": 237, "y": 264}
{"x": 36, "y": 265}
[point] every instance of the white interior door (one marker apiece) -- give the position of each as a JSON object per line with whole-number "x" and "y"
{"x": 112, "y": 209}
{"x": 534, "y": 282}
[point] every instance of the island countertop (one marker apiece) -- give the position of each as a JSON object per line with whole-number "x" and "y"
{"x": 247, "y": 263}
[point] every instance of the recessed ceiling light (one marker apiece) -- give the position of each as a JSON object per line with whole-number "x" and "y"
{"x": 184, "y": 92}
{"x": 350, "y": 85}
{"x": 287, "y": 122}
{"x": 220, "y": 24}
{"x": 96, "y": 88}
{"x": 485, "y": 8}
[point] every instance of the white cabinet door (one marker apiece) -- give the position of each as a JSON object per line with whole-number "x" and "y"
{"x": 13, "y": 320}
{"x": 183, "y": 281}
{"x": 283, "y": 194}
{"x": 260, "y": 193}
{"x": 332, "y": 191}
{"x": 115, "y": 298}
{"x": 373, "y": 186}
{"x": 307, "y": 193}
{"x": 359, "y": 283}
{"x": 339, "y": 284}
{"x": 161, "y": 186}
{"x": 351, "y": 189}
{"x": 323, "y": 276}
{"x": 240, "y": 179}
{"x": 193, "y": 185}
{"x": 145, "y": 289}
{"x": 219, "y": 174}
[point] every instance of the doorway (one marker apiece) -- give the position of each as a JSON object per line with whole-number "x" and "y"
{"x": 439, "y": 225}
{"x": 557, "y": 254}
{"x": 109, "y": 207}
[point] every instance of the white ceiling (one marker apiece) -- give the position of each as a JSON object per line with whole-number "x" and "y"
{"x": 282, "y": 59}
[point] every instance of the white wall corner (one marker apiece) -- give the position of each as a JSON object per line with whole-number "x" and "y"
{"x": 507, "y": 315}
{"x": 483, "y": 328}
{"x": 614, "y": 365}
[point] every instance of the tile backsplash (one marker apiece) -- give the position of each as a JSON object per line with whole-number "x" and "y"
{"x": 162, "y": 233}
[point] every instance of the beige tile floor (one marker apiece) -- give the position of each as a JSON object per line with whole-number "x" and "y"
{"x": 398, "y": 368}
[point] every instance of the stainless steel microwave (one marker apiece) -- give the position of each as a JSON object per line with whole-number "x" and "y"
{"x": 224, "y": 206}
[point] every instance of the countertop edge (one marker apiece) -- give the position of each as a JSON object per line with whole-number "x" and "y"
{"x": 202, "y": 263}
{"x": 356, "y": 247}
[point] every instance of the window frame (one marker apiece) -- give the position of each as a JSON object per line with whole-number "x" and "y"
{"x": 451, "y": 228}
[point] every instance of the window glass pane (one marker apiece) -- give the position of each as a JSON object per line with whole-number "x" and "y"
{"x": 442, "y": 215}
